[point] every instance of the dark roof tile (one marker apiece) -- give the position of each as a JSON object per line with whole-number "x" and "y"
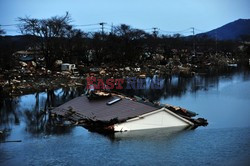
{"x": 99, "y": 110}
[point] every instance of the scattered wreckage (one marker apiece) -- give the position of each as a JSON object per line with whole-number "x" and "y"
{"x": 112, "y": 112}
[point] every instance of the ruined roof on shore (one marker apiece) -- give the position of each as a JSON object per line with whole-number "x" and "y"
{"x": 98, "y": 110}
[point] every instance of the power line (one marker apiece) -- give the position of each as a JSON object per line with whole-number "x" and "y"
{"x": 111, "y": 28}
{"x": 90, "y": 29}
{"x": 12, "y": 30}
{"x": 87, "y": 25}
{"x": 8, "y": 25}
{"x": 147, "y": 29}
{"x": 184, "y": 30}
{"x": 200, "y": 30}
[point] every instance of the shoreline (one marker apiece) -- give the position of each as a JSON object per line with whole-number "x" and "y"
{"x": 19, "y": 83}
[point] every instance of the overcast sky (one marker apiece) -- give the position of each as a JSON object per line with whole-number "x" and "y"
{"x": 167, "y": 15}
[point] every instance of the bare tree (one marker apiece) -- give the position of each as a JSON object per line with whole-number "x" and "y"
{"x": 50, "y": 33}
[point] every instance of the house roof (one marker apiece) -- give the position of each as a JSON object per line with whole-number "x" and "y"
{"x": 98, "y": 110}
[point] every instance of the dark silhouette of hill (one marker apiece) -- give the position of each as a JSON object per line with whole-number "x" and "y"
{"x": 231, "y": 31}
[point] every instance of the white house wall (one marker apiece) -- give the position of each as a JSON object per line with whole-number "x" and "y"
{"x": 162, "y": 118}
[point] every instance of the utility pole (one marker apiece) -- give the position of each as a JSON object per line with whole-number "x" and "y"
{"x": 112, "y": 29}
{"x": 155, "y": 31}
{"x": 216, "y": 42}
{"x": 193, "y": 40}
{"x": 102, "y": 27}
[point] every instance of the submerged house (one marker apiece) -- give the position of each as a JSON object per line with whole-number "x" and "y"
{"x": 119, "y": 113}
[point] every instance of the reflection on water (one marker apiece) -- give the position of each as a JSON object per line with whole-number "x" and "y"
{"x": 30, "y": 109}
{"x": 177, "y": 86}
{"x": 222, "y": 99}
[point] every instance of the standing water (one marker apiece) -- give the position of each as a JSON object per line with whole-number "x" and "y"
{"x": 223, "y": 100}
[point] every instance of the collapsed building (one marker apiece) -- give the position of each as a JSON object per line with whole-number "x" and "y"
{"x": 112, "y": 112}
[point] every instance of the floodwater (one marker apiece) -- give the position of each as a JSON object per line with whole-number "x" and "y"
{"x": 222, "y": 99}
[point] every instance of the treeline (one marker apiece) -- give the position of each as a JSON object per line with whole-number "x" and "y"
{"x": 56, "y": 38}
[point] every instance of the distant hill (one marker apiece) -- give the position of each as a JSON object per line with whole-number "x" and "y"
{"x": 17, "y": 39}
{"x": 230, "y": 31}
{"x": 11, "y": 44}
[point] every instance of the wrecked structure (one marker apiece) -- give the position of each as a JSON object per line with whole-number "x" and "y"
{"x": 110, "y": 112}
{"x": 68, "y": 67}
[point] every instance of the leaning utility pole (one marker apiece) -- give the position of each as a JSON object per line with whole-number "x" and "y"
{"x": 193, "y": 40}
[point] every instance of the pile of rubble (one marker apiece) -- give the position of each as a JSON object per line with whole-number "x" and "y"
{"x": 31, "y": 76}
{"x": 15, "y": 82}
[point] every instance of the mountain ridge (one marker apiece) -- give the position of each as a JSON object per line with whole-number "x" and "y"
{"x": 230, "y": 31}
